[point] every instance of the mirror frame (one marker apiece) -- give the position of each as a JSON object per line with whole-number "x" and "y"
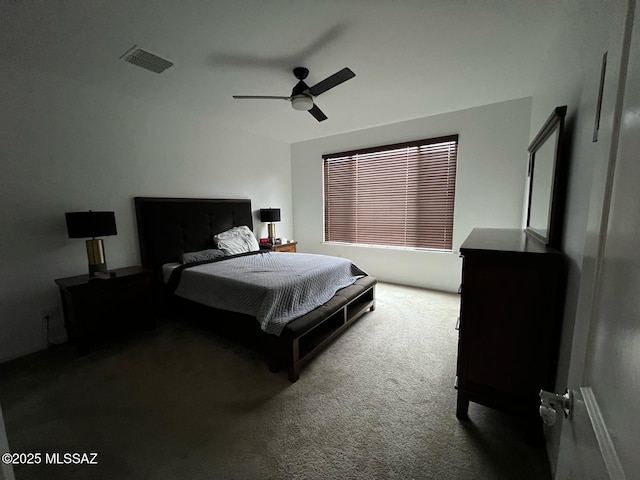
{"x": 553, "y": 125}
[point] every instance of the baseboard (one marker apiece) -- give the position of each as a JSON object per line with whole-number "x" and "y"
{"x": 608, "y": 450}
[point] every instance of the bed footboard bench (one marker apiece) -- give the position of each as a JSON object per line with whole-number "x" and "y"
{"x": 305, "y": 337}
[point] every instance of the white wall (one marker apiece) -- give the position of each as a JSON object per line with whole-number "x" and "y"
{"x": 492, "y": 160}
{"x": 69, "y": 147}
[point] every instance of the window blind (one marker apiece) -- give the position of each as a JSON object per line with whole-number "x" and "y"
{"x": 395, "y": 195}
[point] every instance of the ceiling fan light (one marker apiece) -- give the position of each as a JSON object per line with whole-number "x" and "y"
{"x": 302, "y": 102}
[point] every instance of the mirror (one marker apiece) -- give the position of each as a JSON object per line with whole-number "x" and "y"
{"x": 546, "y": 181}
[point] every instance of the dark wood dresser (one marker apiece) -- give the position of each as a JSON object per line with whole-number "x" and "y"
{"x": 510, "y": 316}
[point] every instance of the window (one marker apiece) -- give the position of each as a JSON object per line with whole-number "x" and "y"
{"x": 398, "y": 195}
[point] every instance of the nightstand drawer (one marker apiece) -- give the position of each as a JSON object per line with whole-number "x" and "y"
{"x": 108, "y": 293}
{"x": 282, "y": 247}
{"x": 124, "y": 288}
{"x": 286, "y": 247}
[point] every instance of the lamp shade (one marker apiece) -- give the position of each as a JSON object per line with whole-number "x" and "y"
{"x": 269, "y": 214}
{"x": 90, "y": 224}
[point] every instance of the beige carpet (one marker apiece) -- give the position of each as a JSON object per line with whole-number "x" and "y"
{"x": 184, "y": 403}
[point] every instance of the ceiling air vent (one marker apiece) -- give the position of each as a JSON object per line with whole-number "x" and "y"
{"x": 146, "y": 60}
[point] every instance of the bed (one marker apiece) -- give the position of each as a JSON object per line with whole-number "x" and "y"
{"x": 168, "y": 228}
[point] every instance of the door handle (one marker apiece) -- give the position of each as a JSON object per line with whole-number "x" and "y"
{"x": 551, "y": 403}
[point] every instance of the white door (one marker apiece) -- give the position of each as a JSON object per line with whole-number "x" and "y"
{"x": 602, "y": 437}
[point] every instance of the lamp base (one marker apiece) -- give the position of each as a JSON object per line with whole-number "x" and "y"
{"x": 97, "y": 268}
{"x": 95, "y": 255}
{"x": 272, "y": 232}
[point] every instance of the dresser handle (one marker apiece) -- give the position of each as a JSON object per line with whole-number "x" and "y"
{"x": 458, "y": 324}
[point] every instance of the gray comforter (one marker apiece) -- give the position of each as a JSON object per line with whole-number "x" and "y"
{"x": 274, "y": 287}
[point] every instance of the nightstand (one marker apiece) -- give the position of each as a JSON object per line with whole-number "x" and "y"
{"x": 95, "y": 309}
{"x": 283, "y": 247}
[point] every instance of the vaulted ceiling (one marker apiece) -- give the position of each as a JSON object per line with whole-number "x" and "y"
{"x": 412, "y": 58}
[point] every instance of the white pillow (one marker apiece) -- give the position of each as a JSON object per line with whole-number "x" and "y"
{"x": 236, "y": 240}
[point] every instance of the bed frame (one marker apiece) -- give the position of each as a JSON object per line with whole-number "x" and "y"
{"x": 169, "y": 227}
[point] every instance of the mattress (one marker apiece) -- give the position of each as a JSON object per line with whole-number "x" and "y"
{"x": 273, "y": 287}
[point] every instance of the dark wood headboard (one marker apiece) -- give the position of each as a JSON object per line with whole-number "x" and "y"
{"x": 169, "y": 227}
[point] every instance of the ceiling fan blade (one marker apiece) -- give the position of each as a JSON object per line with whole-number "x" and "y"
{"x": 268, "y": 97}
{"x": 332, "y": 81}
{"x": 317, "y": 113}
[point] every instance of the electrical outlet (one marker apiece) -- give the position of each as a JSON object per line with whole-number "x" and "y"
{"x": 51, "y": 325}
{"x": 51, "y": 314}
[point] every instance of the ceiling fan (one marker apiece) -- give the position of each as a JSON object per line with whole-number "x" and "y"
{"x": 301, "y": 97}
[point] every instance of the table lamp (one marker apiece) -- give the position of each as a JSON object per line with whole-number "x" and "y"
{"x": 270, "y": 215}
{"x": 91, "y": 225}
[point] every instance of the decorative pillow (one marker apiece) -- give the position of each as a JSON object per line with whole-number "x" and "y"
{"x": 192, "y": 257}
{"x": 236, "y": 240}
